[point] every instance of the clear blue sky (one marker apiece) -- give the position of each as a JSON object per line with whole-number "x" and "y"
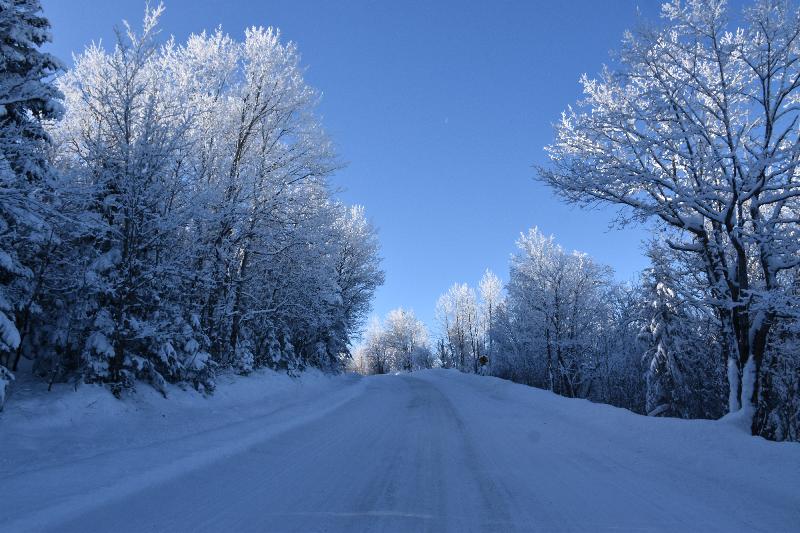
{"x": 441, "y": 109}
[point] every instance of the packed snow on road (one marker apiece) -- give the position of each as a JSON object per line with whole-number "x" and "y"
{"x": 434, "y": 450}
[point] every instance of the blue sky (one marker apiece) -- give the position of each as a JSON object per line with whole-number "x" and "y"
{"x": 441, "y": 109}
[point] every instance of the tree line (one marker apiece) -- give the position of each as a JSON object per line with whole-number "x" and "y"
{"x": 166, "y": 211}
{"x": 696, "y": 132}
{"x": 562, "y": 322}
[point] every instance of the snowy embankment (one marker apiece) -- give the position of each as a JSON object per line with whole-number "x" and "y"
{"x": 66, "y": 450}
{"x": 596, "y": 466}
{"x": 433, "y": 450}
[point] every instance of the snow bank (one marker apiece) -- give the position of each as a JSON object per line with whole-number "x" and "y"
{"x": 108, "y": 448}
{"x": 88, "y": 419}
{"x": 698, "y": 470}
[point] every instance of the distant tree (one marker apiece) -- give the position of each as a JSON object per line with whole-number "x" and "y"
{"x": 374, "y": 351}
{"x": 458, "y": 317}
{"x": 557, "y": 299}
{"x": 490, "y": 289}
{"x": 621, "y": 366}
{"x": 399, "y": 343}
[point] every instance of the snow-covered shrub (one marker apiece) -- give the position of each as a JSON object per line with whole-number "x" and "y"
{"x": 244, "y": 360}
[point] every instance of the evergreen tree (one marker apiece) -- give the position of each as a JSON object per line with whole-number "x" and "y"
{"x": 27, "y": 98}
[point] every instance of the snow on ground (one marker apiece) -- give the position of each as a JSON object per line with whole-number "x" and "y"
{"x": 66, "y": 450}
{"x": 429, "y": 451}
{"x": 39, "y": 428}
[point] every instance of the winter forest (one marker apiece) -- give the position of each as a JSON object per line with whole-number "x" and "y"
{"x": 166, "y": 211}
{"x": 167, "y": 216}
{"x": 696, "y": 132}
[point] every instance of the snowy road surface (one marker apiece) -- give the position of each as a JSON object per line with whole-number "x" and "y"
{"x": 429, "y": 451}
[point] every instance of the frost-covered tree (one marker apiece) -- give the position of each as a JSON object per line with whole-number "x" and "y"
{"x": 566, "y": 326}
{"x": 27, "y": 99}
{"x": 682, "y": 343}
{"x": 697, "y": 129}
{"x": 262, "y": 163}
{"x": 779, "y": 408}
{"x": 466, "y": 320}
{"x": 357, "y": 265}
{"x": 279, "y": 263}
{"x": 458, "y": 316}
{"x": 399, "y": 343}
{"x": 122, "y": 140}
{"x": 490, "y": 290}
{"x": 621, "y": 367}
{"x": 407, "y": 339}
{"x": 562, "y": 325}
{"x": 373, "y": 352}
{"x": 197, "y": 229}
{"x": 666, "y": 386}
{"x": 673, "y": 348}
{"x": 556, "y": 307}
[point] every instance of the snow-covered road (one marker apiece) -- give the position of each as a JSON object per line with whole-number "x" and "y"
{"x": 429, "y": 451}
